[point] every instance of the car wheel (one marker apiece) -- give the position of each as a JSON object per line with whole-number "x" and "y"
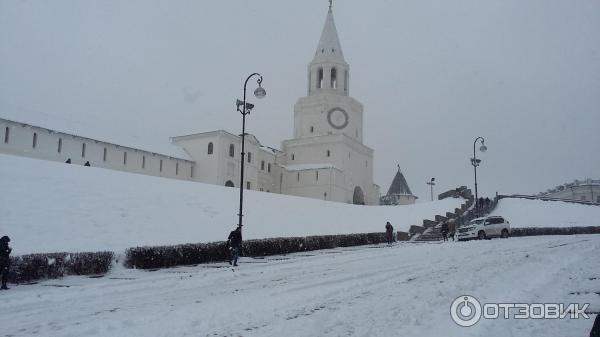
{"x": 481, "y": 235}
{"x": 504, "y": 234}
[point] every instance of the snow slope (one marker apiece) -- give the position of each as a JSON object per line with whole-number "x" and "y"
{"x": 403, "y": 290}
{"x": 538, "y": 213}
{"x": 47, "y": 206}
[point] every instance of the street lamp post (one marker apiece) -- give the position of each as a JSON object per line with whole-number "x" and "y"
{"x": 245, "y": 108}
{"x": 431, "y": 184}
{"x": 475, "y": 162}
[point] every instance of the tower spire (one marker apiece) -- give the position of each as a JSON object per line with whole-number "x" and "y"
{"x": 329, "y": 47}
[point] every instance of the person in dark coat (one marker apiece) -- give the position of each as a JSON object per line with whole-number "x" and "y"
{"x": 389, "y": 233}
{"x": 445, "y": 231}
{"x": 4, "y": 260}
{"x": 452, "y": 228}
{"x": 234, "y": 242}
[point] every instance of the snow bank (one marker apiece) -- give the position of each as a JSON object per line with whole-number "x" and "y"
{"x": 47, "y": 207}
{"x": 538, "y": 213}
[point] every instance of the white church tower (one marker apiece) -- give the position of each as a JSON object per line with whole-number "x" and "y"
{"x": 327, "y": 159}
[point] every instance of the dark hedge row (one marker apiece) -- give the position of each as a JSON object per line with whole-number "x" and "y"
{"x": 169, "y": 256}
{"x": 533, "y": 231}
{"x": 27, "y": 268}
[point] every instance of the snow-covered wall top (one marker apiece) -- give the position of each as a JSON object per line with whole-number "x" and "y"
{"x": 119, "y": 134}
{"x": 538, "y": 213}
{"x": 47, "y": 206}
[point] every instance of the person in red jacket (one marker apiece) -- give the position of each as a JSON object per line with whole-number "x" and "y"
{"x": 389, "y": 233}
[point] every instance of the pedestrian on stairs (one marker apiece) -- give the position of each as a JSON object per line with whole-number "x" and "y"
{"x": 4, "y": 260}
{"x": 389, "y": 233}
{"x": 445, "y": 231}
{"x": 451, "y": 228}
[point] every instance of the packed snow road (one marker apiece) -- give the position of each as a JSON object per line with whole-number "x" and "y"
{"x": 406, "y": 289}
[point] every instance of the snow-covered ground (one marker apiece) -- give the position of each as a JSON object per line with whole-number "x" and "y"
{"x": 403, "y": 290}
{"x": 538, "y": 213}
{"x": 48, "y": 207}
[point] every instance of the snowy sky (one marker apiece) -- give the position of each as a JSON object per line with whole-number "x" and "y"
{"x": 432, "y": 75}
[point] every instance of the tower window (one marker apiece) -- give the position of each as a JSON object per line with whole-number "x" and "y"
{"x": 250, "y": 157}
{"x": 320, "y": 78}
{"x": 346, "y": 80}
{"x": 231, "y": 150}
{"x": 248, "y": 185}
{"x": 325, "y": 195}
{"x": 83, "y": 150}
{"x": 269, "y": 167}
{"x": 333, "y": 78}
{"x": 6, "y": 134}
{"x": 210, "y": 148}
{"x": 143, "y": 162}
{"x": 59, "y": 145}
{"x": 160, "y": 166}
{"x": 176, "y": 169}
{"x": 124, "y": 158}
{"x": 328, "y": 153}
{"x": 262, "y": 165}
{"x": 104, "y": 154}
{"x": 34, "y": 140}
{"x": 317, "y": 175}
{"x": 293, "y": 157}
{"x": 312, "y": 129}
{"x": 298, "y": 177}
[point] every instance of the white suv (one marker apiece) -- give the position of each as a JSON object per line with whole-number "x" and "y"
{"x": 483, "y": 228}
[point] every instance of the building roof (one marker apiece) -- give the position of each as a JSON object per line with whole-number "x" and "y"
{"x": 399, "y": 185}
{"x": 329, "y": 48}
{"x": 304, "y": 167}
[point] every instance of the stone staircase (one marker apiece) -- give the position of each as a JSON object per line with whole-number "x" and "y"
{"x": 431, "y": 229}
{"x": 431, "y": 234}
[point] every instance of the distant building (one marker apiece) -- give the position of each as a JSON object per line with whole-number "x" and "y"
{"x": 399, "y": 193}
{"x": 580, "y": 190}
{"x": 325, "y": 160}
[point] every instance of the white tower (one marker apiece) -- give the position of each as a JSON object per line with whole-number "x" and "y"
{"x": 328, "y": 132}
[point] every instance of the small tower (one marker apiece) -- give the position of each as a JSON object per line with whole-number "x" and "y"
{"x": 399, "y": 192}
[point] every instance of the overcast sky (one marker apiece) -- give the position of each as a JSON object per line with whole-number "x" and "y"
{"x": 432, "y": 75}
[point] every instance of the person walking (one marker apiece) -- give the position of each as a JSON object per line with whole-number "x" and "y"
{"x": 389, "y": 232}
{"x": 4, "y": 260}
{"x": 445, "y": 231}
{"x": 234, "y": 242}
{"x": 452, "y": 228}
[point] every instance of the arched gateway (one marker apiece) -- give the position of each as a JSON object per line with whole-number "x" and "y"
{"x": 359, "y": 196}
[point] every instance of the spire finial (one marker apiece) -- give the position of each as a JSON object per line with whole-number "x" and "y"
{"x": 398, "y": 167}
{"x": 330, "y": 4}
